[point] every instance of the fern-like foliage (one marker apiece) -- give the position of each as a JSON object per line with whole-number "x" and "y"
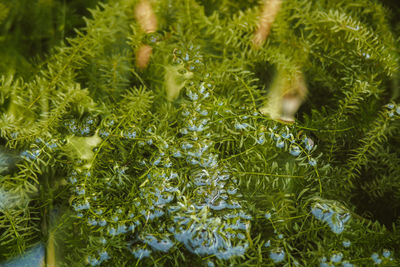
{"x": 108, "y": 164}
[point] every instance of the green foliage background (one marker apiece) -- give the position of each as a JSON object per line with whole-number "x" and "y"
{"x": 85, "y": 135}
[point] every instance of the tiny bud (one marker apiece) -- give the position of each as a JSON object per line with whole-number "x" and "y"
{"x": 143, "y": 56}
{"x": 146, "y": 17}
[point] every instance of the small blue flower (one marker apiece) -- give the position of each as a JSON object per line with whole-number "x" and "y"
{"x": 177, "y": 154}
{"x": 375, "y": 258}
{"x": 241, "y": 126}
{"x": 285, "y": 136}
{"x": 241, "y": 236}
{"x": 337, "y": 222}
{"x": 366, "y": 55}
{"x": 277, "y": 255}
{"x": 280, "y": 236}
{"x": 280, "y": 144}
{"x": 141, "y": 253}
{"x": 386, "y": 253}
{"x": 309, "y": 143}
{"x": 80, "y": 191}
{"x": 204, "y": 113}
{"x": 337, "y": 257}
{"x": 202, "y": 89}
{"x": 121, "y": 229}
{"x": 398, "y": 110}
{"x": 192, "y": 96}
{"x": 173, "y": 175}
{"x": 93, "y": 261}
{"x": 92, "y": 222}
{"x": 168, "y": 165}
{"x": 104, "y": 256}
{"x": 390, "y": 106}
{"x": 112, "y": 231}
{"x": 232, "y": 191}
{"x": 378, "y": 261}
{"x": 261, "y": 140}
{"x": 163, "y": 245}
{"x": 31, "y": 154}
{"x": 346, "y": 243}
{"x": 295, "y": 151}
{"x": 103, "y": 133}
{"x": 267, "y": 215}
{"x": 312, "y": 162}
{"x": 347, "y": 264}
{"x": 130, "y": 135}
{"x": 157, "y": 161}
{"x": 192, "y": 161}
{"x": 85, "y": 206}
{"x": 186, "y": 146}
{"x": 318, "y": 213}
{"x": 51, "y": 146}
{"x": 85, "y": 130}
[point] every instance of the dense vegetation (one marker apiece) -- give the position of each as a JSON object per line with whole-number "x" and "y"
{"x": 106, "y": 163}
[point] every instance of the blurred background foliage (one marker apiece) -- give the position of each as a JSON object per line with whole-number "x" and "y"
{"x": 30, "y": 29}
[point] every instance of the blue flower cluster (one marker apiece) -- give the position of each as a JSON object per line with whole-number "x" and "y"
{"x": 205, "y": 238}
{"x": 284, "y": 139}
{"x": 392, "y": 110}
{"x": 30, "y": 154}
{"x": 85, "y": 128}
{"x": 386, "y": 257}
{"x": 103, "y": 256}
{"x": 38, "y": 147}
{"x": 183, "y": 193}
{"x": 207, "y": 191}
{"x": 163, "y": 245}
{"x": 336, "y": 219}
{"x": 335, "y": 259}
